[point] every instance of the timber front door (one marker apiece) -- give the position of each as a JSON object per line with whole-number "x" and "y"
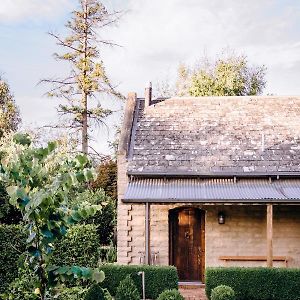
{"x": 187, "y": 243}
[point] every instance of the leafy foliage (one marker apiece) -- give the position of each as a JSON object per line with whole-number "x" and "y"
{"x": 222, "y": 292}
{"x": 12, "y": 245}
{"x": 107, "y": 178}
{"x": 9, "y": 112}
{"x": 170, "y": 295}
{"x": 256, "y": 283}
{"x": 79, "y": 247}
{"x": 95, "y": 292}
{"x": 108, "y": 254}
{"x": 158, "y": 278}
{"x": 39, "y": 185}
{"x": 72, "y": 293}
{"x": 8, "y": 213}
{"x": 88, "y": 77}
{"x": 104, "y": 219}
{"x": 127, "y": 290}
{"x": 24, "y": 285}
{"x": 227, "y": 76}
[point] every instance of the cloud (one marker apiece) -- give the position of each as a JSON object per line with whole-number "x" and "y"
{"x": 158, "y": 35}
{"x": 20, "y": 10}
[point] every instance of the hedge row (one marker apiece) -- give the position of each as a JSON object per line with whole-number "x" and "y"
{"x": 256, "y": 283}
{"x": 12, "y": 245}
{"x": 157, "y": 278}
{"x": 79, "y": 247}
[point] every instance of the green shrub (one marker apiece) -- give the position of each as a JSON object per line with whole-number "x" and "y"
{"x": 8, "y": 213}
{"x": 79, "y": 247}
{"x": 256, "y": 283}
{"x": 73, "y": 293}
{"x": 157, "y": 278}
{"x": 108, "y": 254}
{"x": 170, "y": 295}
{"x": 95, "y": 292}
{"x": 12, "y": 245}
{"x": 23, "y": 286}
{"x": 103, "y": 219}
{"x": 127, "y": 290}
{"x": 222, "y": 292}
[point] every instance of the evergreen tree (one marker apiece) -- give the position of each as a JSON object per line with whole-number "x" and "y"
{"x": 88, "y": 77}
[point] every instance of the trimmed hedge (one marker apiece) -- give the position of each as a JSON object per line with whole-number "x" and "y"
{"x": 80, "y": 247}
{"x": 256, "y": 283}
{"x": 157, "y": 278}
{"x": 12, "y": 245}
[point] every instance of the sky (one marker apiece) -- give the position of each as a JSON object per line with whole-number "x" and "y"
{"x": 156, "y": 36}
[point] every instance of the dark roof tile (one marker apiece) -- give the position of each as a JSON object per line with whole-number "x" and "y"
{"x": 213, "y": 134}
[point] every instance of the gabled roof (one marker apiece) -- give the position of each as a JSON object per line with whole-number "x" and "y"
{"x": 215, "y": 135}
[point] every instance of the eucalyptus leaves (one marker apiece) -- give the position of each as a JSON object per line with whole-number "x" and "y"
{"x": 39, "y": 182}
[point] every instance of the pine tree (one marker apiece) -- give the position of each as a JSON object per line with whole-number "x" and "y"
{"x": 88, "y": 77}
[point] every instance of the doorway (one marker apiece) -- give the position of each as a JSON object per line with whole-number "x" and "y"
{"x": 187, "y": 242}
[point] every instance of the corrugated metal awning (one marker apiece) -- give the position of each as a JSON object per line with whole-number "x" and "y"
{"x": 213, "y": 190}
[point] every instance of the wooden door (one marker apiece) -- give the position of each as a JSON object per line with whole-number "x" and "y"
{"x": 187, "y": 243}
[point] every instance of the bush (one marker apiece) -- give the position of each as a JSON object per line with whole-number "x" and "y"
{"x": 95, "y": 292}
{"x": 256, "y": 283}
{"x": 222, "y": 292}
{"x": 12, "y": 245}
{"x": 8, "y": 213}
{"x": 108, "y": 254}
{"x": 170, "y": 295}
{"x": 127, "y": 290}
{"x": 103, "y": 219}
{"x": 79, "y": 247}
{"x": 157, "y": 278}
{"x": 73, "y": 293}
{"x": 23, "y": 286}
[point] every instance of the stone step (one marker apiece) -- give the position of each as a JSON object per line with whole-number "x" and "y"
{"x": 193, "y": 292}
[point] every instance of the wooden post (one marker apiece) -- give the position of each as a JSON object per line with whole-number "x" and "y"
{"x": 270, "y": 235}
{"x": 147, "y": 234}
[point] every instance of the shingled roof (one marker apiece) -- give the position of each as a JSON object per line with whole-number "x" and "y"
{"x": 215, "y": 135}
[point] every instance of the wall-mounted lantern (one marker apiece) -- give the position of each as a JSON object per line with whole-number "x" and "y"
{"x": 221, "y": 217}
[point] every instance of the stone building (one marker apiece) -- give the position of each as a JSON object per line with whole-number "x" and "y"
{"x": 210, "y": 181}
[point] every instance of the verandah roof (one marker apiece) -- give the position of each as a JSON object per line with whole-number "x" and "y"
{"x": 164, "y": 190}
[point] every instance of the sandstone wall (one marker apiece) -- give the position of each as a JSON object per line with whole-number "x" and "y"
{"x": 244, "y": 233}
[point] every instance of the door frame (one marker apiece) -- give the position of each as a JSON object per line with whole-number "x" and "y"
{"x": 172, "y": 214}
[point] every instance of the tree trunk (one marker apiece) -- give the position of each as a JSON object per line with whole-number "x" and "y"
{"x": 84, "y": 124}
{"x": 84, "y": 93}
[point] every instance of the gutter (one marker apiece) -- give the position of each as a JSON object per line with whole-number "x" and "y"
{"x": 174, "y": 174}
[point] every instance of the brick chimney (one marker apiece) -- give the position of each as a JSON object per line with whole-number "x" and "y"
{"x": 148, "y": 94}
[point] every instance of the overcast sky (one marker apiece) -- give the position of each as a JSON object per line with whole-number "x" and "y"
{"x": 156, "y": 36}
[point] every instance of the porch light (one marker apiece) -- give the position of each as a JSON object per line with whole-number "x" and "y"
{"x": 221, "y": 217}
